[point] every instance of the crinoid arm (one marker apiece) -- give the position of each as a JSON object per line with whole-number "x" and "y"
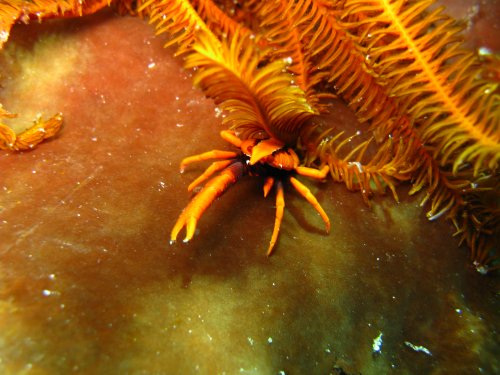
{"x": 198, "y": 205}
{"x": 28, "y": 139}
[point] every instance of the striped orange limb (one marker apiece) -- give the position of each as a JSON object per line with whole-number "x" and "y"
{"x": 198, "y": 205}
{"x": 28, "y": 139}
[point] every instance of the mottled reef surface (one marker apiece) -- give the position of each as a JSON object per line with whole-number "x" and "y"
{"x": 90, "y": 285}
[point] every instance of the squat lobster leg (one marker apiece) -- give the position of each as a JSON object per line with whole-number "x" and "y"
{"x": 280, "y": 208}
{"x": 280, "y": 205}
{"x": 214, "y": 167}
{"x": 211, "y": 191}
{"x": 306, "y": 193}
{"x": 268, "y": 184}
{"x": 230, "y": 137}
{"x": 214, "y": 154}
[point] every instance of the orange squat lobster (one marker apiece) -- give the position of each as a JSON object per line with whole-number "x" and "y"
{"x": 269, "y": 158}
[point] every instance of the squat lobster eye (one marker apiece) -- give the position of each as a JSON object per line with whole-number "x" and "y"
{"x": 267, "y": 158}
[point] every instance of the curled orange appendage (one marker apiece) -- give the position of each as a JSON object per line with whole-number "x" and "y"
{"x": 306, "y": 193}
{"x": 29, "y": 138}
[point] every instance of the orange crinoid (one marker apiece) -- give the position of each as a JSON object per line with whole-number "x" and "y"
{"x": 432, "y": 118}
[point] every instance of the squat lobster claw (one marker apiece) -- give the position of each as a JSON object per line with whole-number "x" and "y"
{"x": 269, "y": 158}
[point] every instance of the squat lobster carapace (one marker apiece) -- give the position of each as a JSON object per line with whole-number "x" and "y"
{"x": 269, "y": 158}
